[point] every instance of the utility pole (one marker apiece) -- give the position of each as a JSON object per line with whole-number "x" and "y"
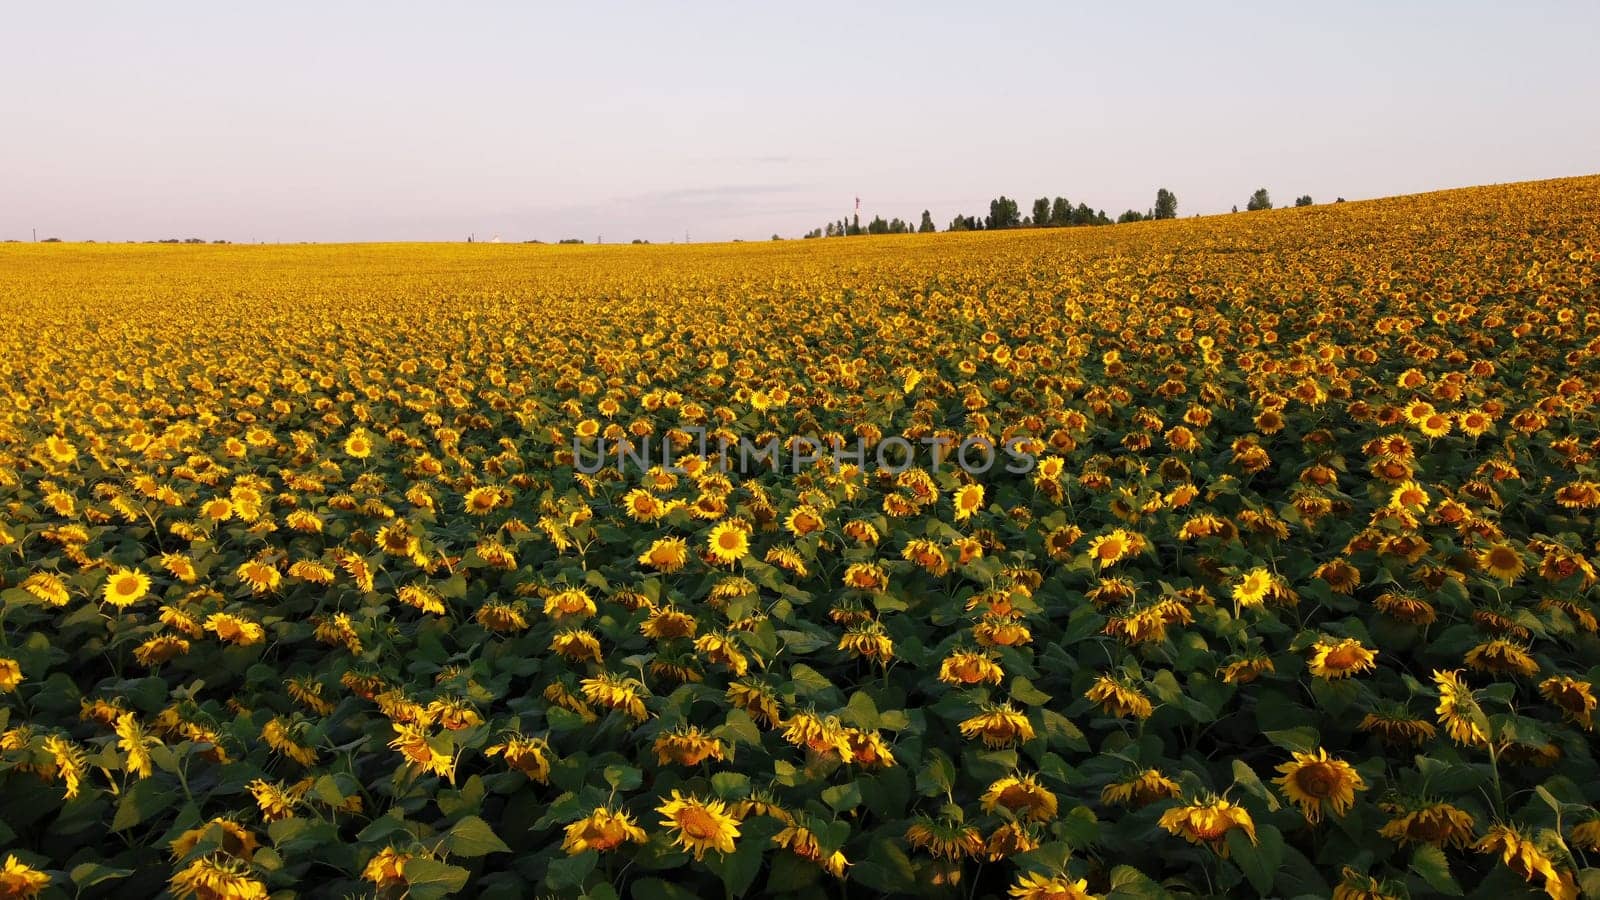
{"x": 36, "y": 235}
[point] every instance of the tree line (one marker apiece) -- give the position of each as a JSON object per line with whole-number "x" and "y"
{"x": 1004, "y": 212}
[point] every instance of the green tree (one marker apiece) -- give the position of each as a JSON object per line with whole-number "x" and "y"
{"x": 927, "y": 224}
{"x": 1041, "y": 211}
{"x": 1166, "y": 204}
{"x": 1003, "y": 213}
{"x": 1259, "y": 200}
{"x": 1060, "y": 213}
{"x": 1303, "y": 200}
{"x": 1130, "y": 216}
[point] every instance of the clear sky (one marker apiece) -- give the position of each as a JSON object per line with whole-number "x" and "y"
{"x": 332, "y": 121}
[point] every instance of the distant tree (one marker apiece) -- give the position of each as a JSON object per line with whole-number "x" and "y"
{"x": 814, "y": 233}
{"x": 570, "y": 241}
{"x": 1082, "y": 215}
{"x": 1236, "y": 207}
{"x": 898, "y": 225}
{"x": 56, "y": 240}
{"x": 1130, "y": 216}
{"x": 877, "y": 226}
{"x": 959, "y": 223}
{"x": 927, "y": 224}
{"x": 1259, "y": 200}
{"x": 1339, "y": 200}
{"x": 1166, "y": 204}
{"x": 1303, "y": 200}
{"x": 1041, "y": 211}
{"x": 1060, "y": 213}
{"x": 1003, "y": 213}
{"x": 776, "y": 238}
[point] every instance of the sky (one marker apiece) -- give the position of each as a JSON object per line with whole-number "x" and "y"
{"x": 356, "y": 121}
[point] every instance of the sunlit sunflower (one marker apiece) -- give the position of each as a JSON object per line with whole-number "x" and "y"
{"x": 1119, "y": 699}
{"x": 358, "y": 445}
{"x": 1110, "y": 549}
{"x": 666, "y": 555}
{"x": 1251, "y": 590}
{"x": 699, "y": 825}
{"x": 965, "y": 667}
{"x": 999, "y": 725}
{"x": 529, "y": 755}
{"x": 1142, "y": 789}
{"x": 1458, "y": 710}
{"x": 1208, "y": 821}
{"x": 1502, "y": 561}
{"x": 1341, "y": 659}
{"x": 10, "y": 674}
{"x": 217, "y": 878}
{"x": 728, "y": 543}
{"x": 387, "y": 869}
{"x": 1526, "y": 857}
{"x": 601, "y": 830}
{"x": 262, "y": 577}
{"x": 1318, "y": 782}
{"x": 968, "y": 500}
{"x": 125, "y": 587}
{"x": 688, "y": 745}
{"x": 1038, "y": 886}
{"x": 618, "y": 692}
{"x": 1022, "y": 796}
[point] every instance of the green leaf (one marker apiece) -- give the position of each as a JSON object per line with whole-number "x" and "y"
{"x": 862, "y": 712}
{"x": 568, "y": 871}
{"x": 90, "y": 874}
{"x": 1259, "y": 861}
{"x": 140, "y": 801}
{"x": 739, "y": 869}
{"x": 1060, "y": 732}
{"x": 842, "y": 797}
{"x": 938, "y": 775}
{"x": 472, "y": 837}
{"x": 1246, "y": 777}
{"x": 1430, "y": 863}
{"x": 1303, "y": 738}
{"x": 1128, "y": 883}
{"x": 886, "y": 869}
{"x": 429, "y": 879}
{"x": 624, "y": 778}
{"x": 1023, "y": 691}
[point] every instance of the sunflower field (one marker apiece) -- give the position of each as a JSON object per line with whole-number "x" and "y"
{"x": 307, "y": 588}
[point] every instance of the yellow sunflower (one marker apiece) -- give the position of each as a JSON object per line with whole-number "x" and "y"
{"x": 728, "y": 543}
{"x": 1316, "y": 781}
{"x": 601, "y": 830}
{"x": 699, "y": 825}
{"x": 1038, "y": 886}
{"x": 1251, "y": 590}
{"x": 125, "y": 587}
{"x": 968, "y": 501}
{"x": 1208, "y": 822}
{"x": 1341, "y": 659}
